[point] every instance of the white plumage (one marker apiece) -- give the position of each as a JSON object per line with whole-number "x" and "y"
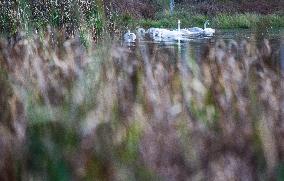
{"x": 162, "y": 34}
{"x": 208, "y": 31}
{"x": 129, "y": 37}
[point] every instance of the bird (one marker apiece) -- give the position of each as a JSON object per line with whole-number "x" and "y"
{"x": 171, "y": 35}
{"x": 129, "y": 37}
{"x": 161, "y": 34}
{"x": 192, "y": 31}
{"x": 151, "y": 31}
{"x": 208, "y": 31}
{"x": 141, "y": 33}
{"x": 196, "y": 31}
{"x": 177, "y": 33}
{"x": 157, "y": 34}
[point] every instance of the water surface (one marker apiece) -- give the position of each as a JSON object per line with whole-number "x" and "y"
{"x": 194, "y": 47}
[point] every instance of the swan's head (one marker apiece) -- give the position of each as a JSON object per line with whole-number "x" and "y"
{"x": 207, "y": 22}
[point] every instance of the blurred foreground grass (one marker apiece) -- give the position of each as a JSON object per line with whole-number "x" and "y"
{"x": 107, "y": 112}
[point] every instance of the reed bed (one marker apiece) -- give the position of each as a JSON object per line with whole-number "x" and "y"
{"x": 109, "y": 112}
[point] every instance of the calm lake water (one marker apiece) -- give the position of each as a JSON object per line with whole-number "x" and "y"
{"x": 194, "y": 47}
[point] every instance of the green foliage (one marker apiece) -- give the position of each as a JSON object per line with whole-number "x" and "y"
{"x": 221, "y": 21}
{"x": 280, "y": 172}
{"x": 28, "y": 15}
{"x": 50, "y": 143}
{"x": 248, "y": 20}
{"x": 129, "y": 150}
{"x": 168, "y": 21}
{"x": 189, "y": 18}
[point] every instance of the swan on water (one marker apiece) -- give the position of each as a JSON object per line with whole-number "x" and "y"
{"x": 151, "y": 31}
{"x": 156, "y": 32}
{"x": 129, "y": 37}
{"x": 208, "y": 31}
{"x": 168, "y": 35}
{"x": 191, "y": 31}
{"x": 195, "y": 31}
{"x": 199, "y": 31}
{"x": 141, "y": 33}
{"x": 161, "y": 34}
{"x": 177, "y": 33}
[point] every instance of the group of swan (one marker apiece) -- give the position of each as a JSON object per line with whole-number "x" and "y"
{"x": 161, "y": 34}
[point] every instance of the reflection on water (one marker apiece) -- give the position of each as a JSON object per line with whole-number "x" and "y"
{"x": 194, "y": 47}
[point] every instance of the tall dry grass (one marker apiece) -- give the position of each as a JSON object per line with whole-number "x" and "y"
{"x": 116, "y": 113}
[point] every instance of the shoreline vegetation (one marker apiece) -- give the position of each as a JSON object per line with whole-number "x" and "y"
{"x": 112, "y": 17}
{"x": 220, "y": 21}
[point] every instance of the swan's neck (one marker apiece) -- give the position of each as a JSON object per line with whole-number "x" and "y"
{"x": 179, "y": 25}
{"x": 205, "y": 25}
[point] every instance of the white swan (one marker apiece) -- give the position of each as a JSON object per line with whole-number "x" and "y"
{"x": 129, "y": 37}
{"x": 208, "y": 31}
{"x": 151, "y": 31}
{"x": 160, "y": 34}
{"x": 195, "y": 31}
{"x": 174, "y": 35}
{"x": 141, "y": 33}
{"x": 190, "y": 31}
{"x": 156, "y": 32}
{"x": 178, "y": 32}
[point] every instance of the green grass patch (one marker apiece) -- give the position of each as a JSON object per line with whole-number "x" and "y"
{"x": 220, "y": 21}
{"x": 248, "y": 20}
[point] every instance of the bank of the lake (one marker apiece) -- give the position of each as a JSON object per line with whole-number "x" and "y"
{"x": 218, "y": 21}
